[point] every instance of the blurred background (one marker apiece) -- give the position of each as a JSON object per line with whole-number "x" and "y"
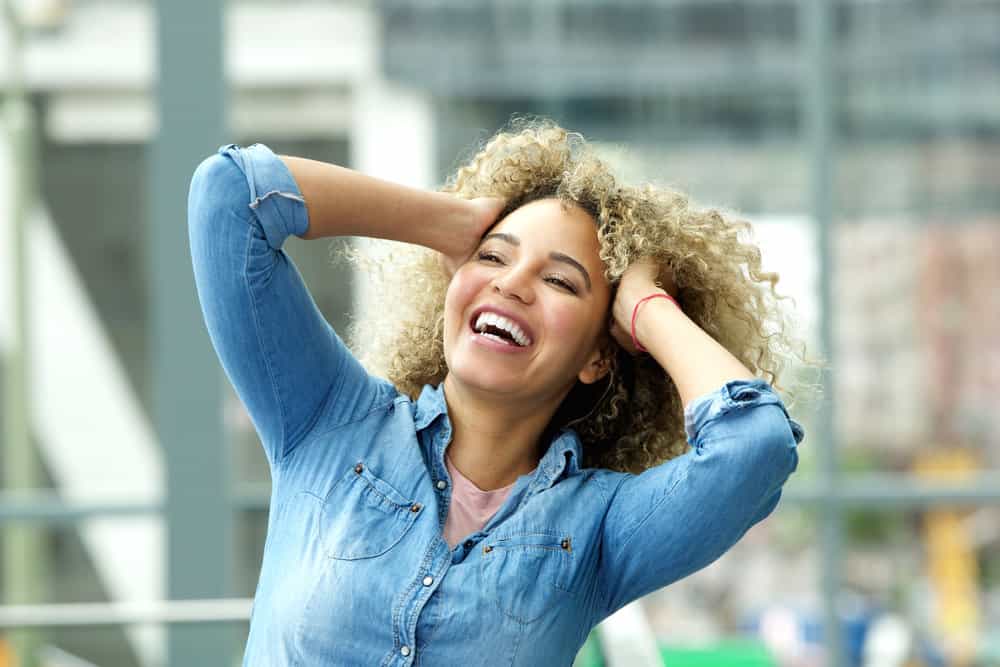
{"x": 861, "y": 137}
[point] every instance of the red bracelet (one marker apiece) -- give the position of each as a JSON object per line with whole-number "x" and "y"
{"x": 635, "y": 311}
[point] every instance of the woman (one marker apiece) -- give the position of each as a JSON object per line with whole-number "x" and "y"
{"x": 519, "y": 473}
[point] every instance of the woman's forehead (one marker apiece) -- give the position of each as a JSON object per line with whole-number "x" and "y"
{"x": 550, "y": 222}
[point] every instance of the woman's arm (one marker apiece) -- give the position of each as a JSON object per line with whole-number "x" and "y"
{"x": 289, "y": 367}
{"x": 695, "y": 362}
{"x": 343, "y": 202}
{"x": 679, "y": 516}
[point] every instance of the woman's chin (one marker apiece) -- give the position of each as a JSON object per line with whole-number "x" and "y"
{"x": 491, "y": 378}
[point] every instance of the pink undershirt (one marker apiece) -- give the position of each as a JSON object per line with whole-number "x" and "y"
{"x": 471, "y": 507}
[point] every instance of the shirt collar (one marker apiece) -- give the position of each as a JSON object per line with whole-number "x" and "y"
{"x": 564, "y": 452}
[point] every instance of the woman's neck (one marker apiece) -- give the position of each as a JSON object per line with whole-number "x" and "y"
{"x": 492, "y": 442}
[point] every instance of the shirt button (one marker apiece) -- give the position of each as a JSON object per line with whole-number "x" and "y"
{"x": 405, "y": 650}
{"x": 428, "y": 581}
{"x": 442, "y": 484}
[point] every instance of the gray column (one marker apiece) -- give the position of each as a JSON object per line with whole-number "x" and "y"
{"x": 24, "y": 555}
{"x": 186, "y": 391}
{"x": 816, "y": 35}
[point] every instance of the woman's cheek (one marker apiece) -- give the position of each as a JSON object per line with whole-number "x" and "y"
{"x": 565, "y": 324}
{"x": 460, "y": 295}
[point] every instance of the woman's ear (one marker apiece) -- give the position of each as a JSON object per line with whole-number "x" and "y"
{"x": 600, "y": 361}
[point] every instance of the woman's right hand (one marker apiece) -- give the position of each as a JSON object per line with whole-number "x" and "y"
{"x": 484, "y": 212}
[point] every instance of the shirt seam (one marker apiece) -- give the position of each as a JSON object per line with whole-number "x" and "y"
{"x": 601, "y": 588}
{"x": 331, "y": 429}
{"x": 285, "y": 447}
{"x": 279, "y": 454}
{"x": 310, "y": 424}
{"x": 635, "y": 531}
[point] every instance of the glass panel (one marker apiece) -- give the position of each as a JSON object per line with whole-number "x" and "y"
{"x": 85, "y": 647}
{"x": 917, "y": 242}
{"x": 921, "y": 588}
{"x": 756, "y": 605}
{"x": 99, "y": 646}
{"x": 59, "y": 564}
{"x": 249, "y": 534}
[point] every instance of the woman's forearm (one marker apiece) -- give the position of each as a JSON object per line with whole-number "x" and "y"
{"x": 695, "y": 361}
{"x": 344, "y": 202}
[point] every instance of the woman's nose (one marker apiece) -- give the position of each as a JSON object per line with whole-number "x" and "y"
{"x": 514, "y": 283}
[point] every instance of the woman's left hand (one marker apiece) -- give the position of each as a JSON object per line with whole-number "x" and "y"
{"x": 641, "y": 278}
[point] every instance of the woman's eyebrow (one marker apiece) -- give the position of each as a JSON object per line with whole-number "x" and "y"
{"x": 509, "y": 238}
{"x": 557, "y": 256}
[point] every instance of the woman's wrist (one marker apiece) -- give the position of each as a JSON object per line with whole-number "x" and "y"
{"x": 652, "y": 314}
{"x": 447, "y": 231}
{"x": 629, "y": 295}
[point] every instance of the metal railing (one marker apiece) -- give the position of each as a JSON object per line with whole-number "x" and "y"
{"x": 885, "y": 491}
{"x": 222, "y": 610}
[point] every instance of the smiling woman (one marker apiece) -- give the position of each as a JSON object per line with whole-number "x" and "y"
{"x": 635, "y": 417}
{"x": 505, "y": 469}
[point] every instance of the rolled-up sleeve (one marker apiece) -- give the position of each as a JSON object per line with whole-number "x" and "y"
{"x": 283, "y": 358}
{"x": 680, "y": 516}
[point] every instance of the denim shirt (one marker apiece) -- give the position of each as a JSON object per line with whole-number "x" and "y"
{"x": 355, "y": 569}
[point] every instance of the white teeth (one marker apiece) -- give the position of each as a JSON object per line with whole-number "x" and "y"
{"x": 504, "y": 323}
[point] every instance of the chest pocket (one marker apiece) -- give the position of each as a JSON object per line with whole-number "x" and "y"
{"x": 527, "y": 574}
{"x": 363, "y": 516}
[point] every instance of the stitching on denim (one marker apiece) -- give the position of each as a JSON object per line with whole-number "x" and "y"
{"x": 597, "y": 479}
{"x": 404, "y": 529}
{"x": 568, "y": 569}
{"x": 279, "y": 454}
{"x": 730, "y": 404}
{"x": 255, "y": 204}
{"x": 430, "y": 631}
{"x": 419, "y": 608}
{"x": 288, "y": 195}
{"x": 251, "y": 175}
{"x": 601, "y": 589}
{"x": 239, "y": 165}
{"x": 517, "y": 644}
{"x": 354, "y": 420}
{"x": 308, "y": 434}
{"x": 374, "y": 488}
{"x": 310, "y": 424}
{"x": 509, "y": 534}
{"x": 397, "y": 616}
{"x": 652, "y": 511}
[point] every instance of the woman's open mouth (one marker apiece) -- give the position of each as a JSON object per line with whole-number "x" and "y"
{"x": 498, "y": 333}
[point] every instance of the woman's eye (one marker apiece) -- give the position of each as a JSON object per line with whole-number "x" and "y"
{"x": 563, "y": 283}
{"x": 488, "y": 256}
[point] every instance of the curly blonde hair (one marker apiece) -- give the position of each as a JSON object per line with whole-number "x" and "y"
{"x": 633, "y": 419}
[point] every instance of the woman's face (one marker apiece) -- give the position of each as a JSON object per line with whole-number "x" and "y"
{"x": 539, "y": 266}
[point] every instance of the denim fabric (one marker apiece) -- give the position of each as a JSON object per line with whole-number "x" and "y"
{"x": 355, "y": 569}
